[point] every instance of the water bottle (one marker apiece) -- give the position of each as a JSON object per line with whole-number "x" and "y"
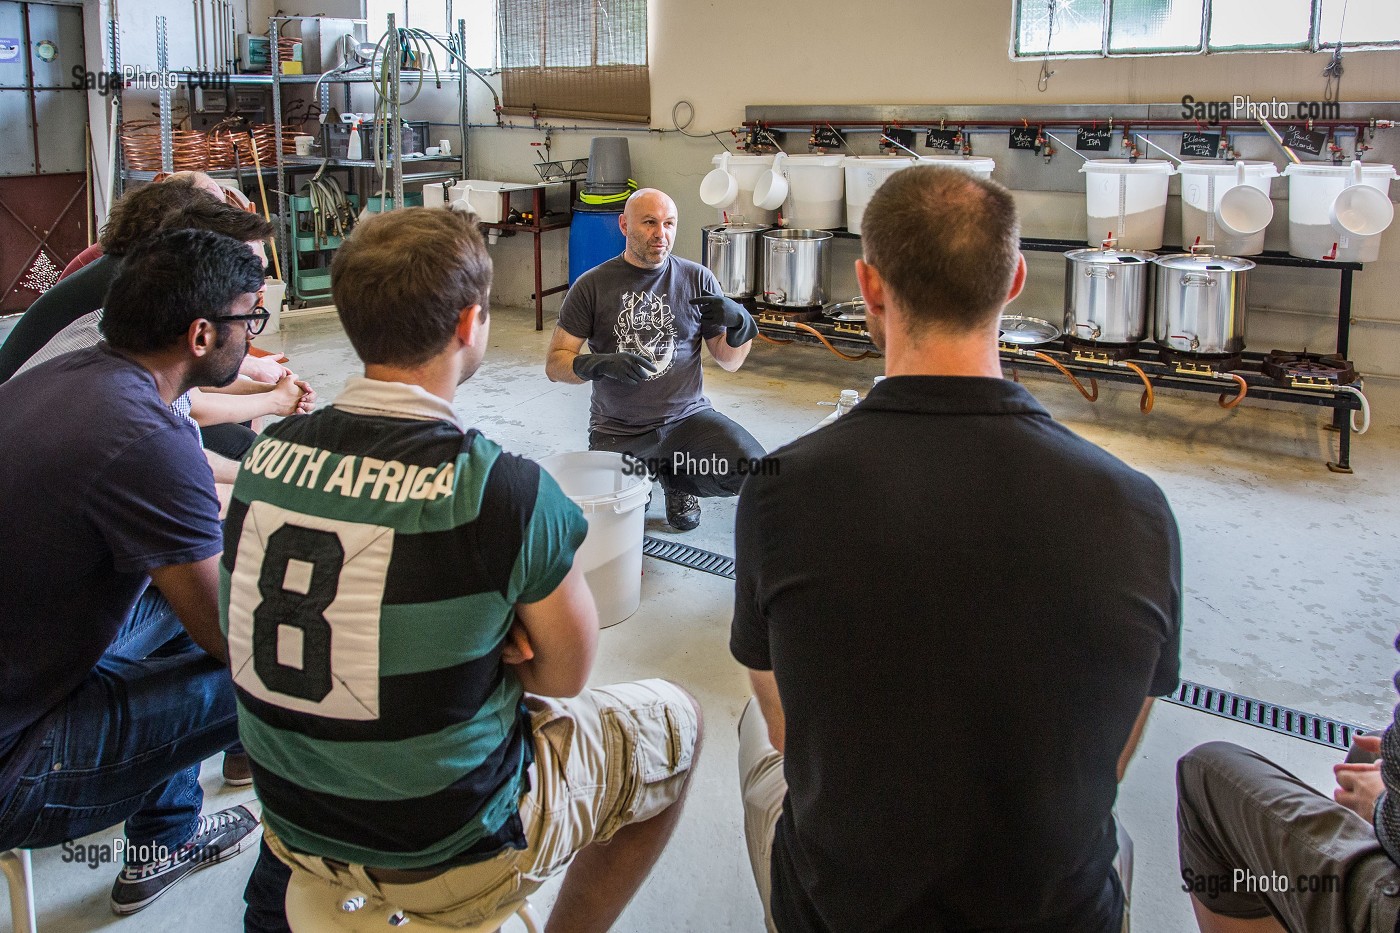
{"x": 848, "y": 400}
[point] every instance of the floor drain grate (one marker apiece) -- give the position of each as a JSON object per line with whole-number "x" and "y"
{"x": 1319, "y": 729}
{"x": 687, "y": 556}
{"x": 1330, "y": 732}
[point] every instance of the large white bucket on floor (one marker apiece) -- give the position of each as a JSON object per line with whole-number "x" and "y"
{"x": 1314, "y": 190}
{"x": 615, "y": 505}
{"x": 1126, "y": 201}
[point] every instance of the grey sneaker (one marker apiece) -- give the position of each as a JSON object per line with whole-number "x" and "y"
{"x": 218, "y": 837}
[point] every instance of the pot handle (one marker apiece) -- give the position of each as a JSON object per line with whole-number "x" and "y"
{"x": 717, "y": 238}
{"x": 1191, "y": 278}
{"x": 1103, "y": 271}
{"x": 783, "y": 248}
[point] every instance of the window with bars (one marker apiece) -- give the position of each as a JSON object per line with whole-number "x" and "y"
{"x": 1087, "y": 28}
{"x": 575, "y": 58}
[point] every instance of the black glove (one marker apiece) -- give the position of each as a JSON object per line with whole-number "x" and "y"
{"x": 626, "y": 368}
{"x": 717, "y": 310}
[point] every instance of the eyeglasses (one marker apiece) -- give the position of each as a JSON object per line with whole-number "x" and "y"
{"x": 256, "y": 319}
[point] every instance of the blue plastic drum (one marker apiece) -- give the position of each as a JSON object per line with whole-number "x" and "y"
{"x": 594, "y": 238}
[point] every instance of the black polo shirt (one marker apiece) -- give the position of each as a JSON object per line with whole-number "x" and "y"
{"x": 965, "y": 605}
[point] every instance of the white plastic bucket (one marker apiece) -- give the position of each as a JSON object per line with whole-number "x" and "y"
{"x": 816, "y": 192}
{"x": 1212, "y": 210}
{"x": 1313, "y": 190}
{"x": 865, "y": 174}
{"x": 615, "y": 505}
{"x": 1127, "y": 201}
{"x": 747, "y": 170}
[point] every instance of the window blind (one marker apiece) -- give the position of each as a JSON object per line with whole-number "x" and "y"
{"x": 575, "y": 58}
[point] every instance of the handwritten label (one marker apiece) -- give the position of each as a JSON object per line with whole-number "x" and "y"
{"x": 1295, "y": 137}
{"x": 1024, "y": 137}
{"x": 824, "y": 137}
{"x": 1203, "y": 145}
{"x": 1093, "y": 138}
{"x": 904, "y": 138}
{"x": 946, "y": 140}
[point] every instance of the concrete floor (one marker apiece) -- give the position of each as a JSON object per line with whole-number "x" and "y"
{"x": 1290, "y": 573}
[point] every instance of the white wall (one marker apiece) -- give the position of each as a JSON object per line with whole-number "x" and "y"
{"x": 721, "y": 55}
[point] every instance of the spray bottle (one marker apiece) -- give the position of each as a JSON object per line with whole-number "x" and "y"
{"x": 352, "y": 149}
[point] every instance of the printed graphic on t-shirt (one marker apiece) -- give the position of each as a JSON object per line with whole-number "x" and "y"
{"x": 647, "y": 328}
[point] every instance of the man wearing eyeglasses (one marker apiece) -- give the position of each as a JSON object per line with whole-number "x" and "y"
{"x": 113, "y": 677}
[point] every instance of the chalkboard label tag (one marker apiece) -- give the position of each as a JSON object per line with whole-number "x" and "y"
{"x": 945, "y": 140}
{"x": 1201, "y": 145}
{"x": 1093, "y": 139}
{"x": 1304, "y": 141}
{"x": 1024, "y": 137}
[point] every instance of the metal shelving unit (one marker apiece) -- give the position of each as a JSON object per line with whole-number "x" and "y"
{"x": 288, "y": 165}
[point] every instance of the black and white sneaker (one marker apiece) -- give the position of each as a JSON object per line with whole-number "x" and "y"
{"x": 219, "y": 836}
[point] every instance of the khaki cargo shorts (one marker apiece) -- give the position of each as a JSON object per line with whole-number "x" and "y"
{"x": 609, "y": 757}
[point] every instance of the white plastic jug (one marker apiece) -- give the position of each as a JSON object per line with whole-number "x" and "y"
{"x": 1321, "y": 214}
{"x": 1126, "y": 201}
{"x": 747, "y": 170}
{"x": 1226, "y": 204}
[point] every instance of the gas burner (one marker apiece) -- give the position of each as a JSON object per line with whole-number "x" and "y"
{"x": 772, "y": 314}
{"x": 1100, "y": 352}
{"x": 1189, "y": 363}
{"x": 1308, "y": 369}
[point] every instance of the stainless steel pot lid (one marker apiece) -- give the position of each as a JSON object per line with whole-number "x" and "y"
{"x": 1026, "y": 331}
{"x": 1115, "y": 256}
{"x": 735, "y": 228}
{"x": 853, "y": 311}
{"x": 1203, "y": 262}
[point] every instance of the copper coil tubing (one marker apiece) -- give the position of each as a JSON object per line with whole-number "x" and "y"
{"x": 228, "y": 149}
{"x": 141, "y": 145}
{"x": 189, "y": 149}
{"x": 287, "y": 49}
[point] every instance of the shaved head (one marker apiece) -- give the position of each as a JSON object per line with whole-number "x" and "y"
{"x": 649, "y": 223}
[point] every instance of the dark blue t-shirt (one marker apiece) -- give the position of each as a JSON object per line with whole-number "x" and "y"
{"x": 99, "y": 483}
{"x": 619, "y": 307}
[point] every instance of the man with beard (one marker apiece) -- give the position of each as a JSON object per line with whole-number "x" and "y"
{"x": 644, "y": 315}
{"x": 113, "y": 676}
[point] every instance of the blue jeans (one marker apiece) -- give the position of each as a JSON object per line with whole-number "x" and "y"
{"x": 127, "y": 743}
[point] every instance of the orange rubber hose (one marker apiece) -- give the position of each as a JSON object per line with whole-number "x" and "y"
{"x": 1094, "y": 383}
{"x": 781, "y": 343}
{"x": 822, "y": 337}
{"x": 1244, "y": 390}
{"x": 1145, "y": 404}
